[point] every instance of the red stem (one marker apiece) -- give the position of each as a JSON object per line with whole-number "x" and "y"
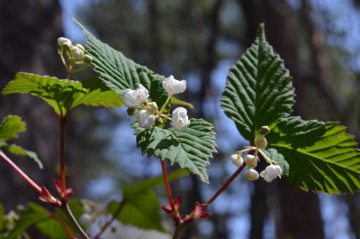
{"x": 223, "y": 187}
{"x": 19, "y": 171}
{"x": 167, "y": 186}
{"x": 62, "y": 151}
{"x": 64, "y": 225}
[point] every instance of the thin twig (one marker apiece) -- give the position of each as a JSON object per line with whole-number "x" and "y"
{"x": 65, "y": 208}
{"x": 115, "y": 215}
{"x": 167, "y": 186}
{"x": 178, "y": 231}
{"x": 223, "y": 187}
{"x": 62, "y": 152}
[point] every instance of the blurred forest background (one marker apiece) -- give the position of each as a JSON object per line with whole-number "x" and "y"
{"x": 197, "y": 41}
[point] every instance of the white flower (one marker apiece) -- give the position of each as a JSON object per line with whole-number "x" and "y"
{"x": 251, "y": 161}
{"x": 63, "y": 41}
{"x": 271, "y": 172}
{"x": 238, "y": 161}
{"x": 180, "y": 119}
{"x": 144, "y": 119}
{"x": 173, "y": 86}
{"x": 76, "y": 52}
{"x": 133, "y": 98}
{"x": 251, "y": 174}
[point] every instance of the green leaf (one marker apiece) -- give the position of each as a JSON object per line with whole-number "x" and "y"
{"x": 154, "y": 182}
{"x": 258, "y": 89}
{"x": 321, "y": 156}
{"x": 141, "y": 211}
{"x": 34, "y": 213}
{"x": 62, "y": 95}
{"x": 120, "y": 73}
{"x": 10, "y": 127}
{"x": 53, "y": 229}
{"x": 190, "y": 148}
{"x": 12, "y": 148}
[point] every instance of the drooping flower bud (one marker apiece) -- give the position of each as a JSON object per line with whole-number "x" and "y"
{"x": 63, "y": 41}
{"x": 133, "y": 98}
{"x": 151, "y": 108}
{"x": 76, "y": 52}
{"x": 144, "y": 119}
{"x": 81, "y": 47}
{"x": 264, "y": 130}
{"x": 173, "y": 86}
{"x": 87, "y": 58}
{"x": 237, "y": 160}
{"x": 251, "y": 161}
{"x": 180, "y": 119}
{"x": 251, "y": 174}
{"x": 271, "y": 172}
{"x": 260, "y": 141}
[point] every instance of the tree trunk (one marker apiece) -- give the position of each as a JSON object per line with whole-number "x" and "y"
{"x": 28, "y": 34}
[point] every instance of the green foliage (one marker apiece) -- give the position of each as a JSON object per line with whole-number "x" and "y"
{"x": 141, "y": 211}
{"x": 190, "y": 148}
{"x": 10, "y": 127}
{"x": 120, "y": 73}
{"x": 33, "y": 214}
{"x": 321, "y": 156}
{"x": 314, "y": 155}
{"x": 63, "y": 95}
{"x": 258, "y": 89}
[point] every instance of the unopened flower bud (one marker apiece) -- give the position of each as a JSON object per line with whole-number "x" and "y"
{"x": 264, "y": 130}
{"x": 251, "y": 174}
{"x": 151, "y": 108}
{"x": 86, "y": 220}
{"x": 76, "y": 52}
{"x": 63, "y": 41}
{"x": 260, "y": 141}
{"x": 87, "y": 58}
{"x": 131, "y": 111}
{"x": 251, "y": 161}
{"x": 81, "y": 47}
{"x": 237, "y": 160}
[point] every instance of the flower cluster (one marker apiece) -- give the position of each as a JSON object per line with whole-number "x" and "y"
{"x": 74, "y": 52}
{"x": 271, "y": 172}
{"x": 148, "y": 114}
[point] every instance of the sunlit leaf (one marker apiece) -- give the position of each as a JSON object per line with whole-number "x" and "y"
{"x": 10, "y": 127}
{"x": 62, "y": 95}
{"x": 321, "y": 156}
{"x": 258, "y": 89}
{"x": 120, "y": 73}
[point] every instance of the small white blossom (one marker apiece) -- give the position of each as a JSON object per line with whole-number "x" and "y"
{"x": 180, "y": 119}
{"x": 144, "y": 119}
{"x": 271, "y": 172}
{"x": 173, "y": 86}
{"x": 238, "y": 161}
{"x": 251, "y": 161}
{"x": 251, "y": 174}
{"x": 76, "y": 52}
{"x": 63, "y": 41}
{"x": 133, "y": 98}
